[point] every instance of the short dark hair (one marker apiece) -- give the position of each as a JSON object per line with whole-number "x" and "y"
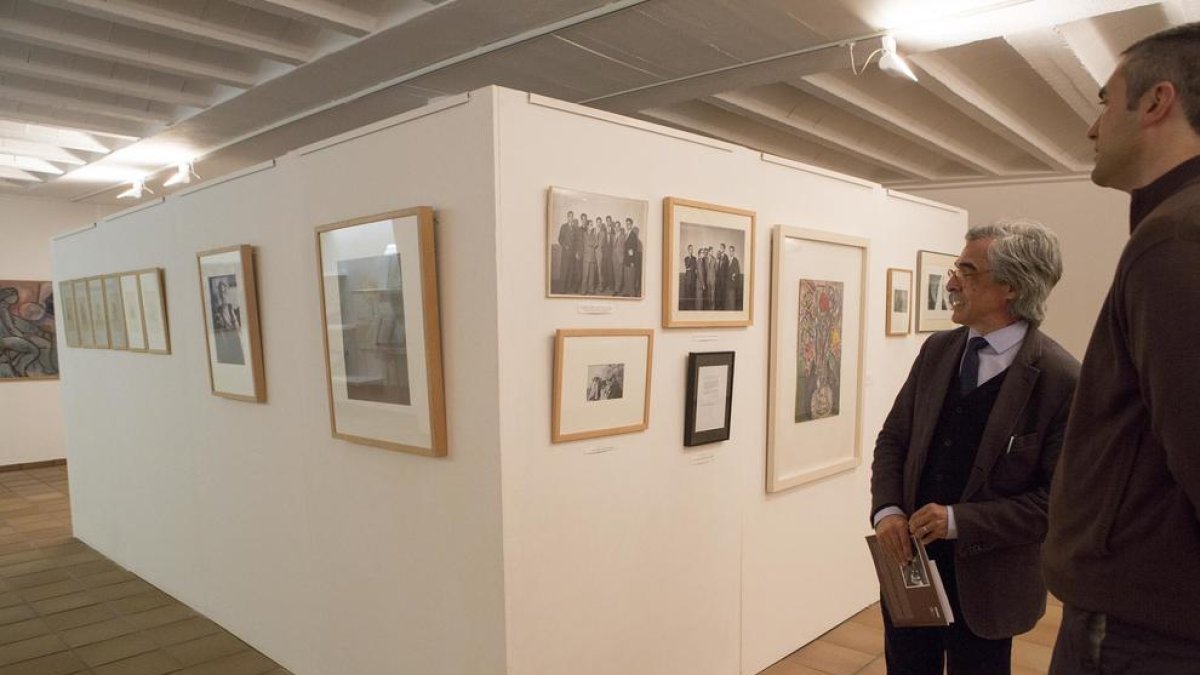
{"x": 1172, "y": 55}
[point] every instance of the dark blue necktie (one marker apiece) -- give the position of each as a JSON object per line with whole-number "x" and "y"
{"x": 968, "y": 377}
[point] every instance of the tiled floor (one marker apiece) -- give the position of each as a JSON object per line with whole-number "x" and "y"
{"x": 64, "y": 608}
{"x": 856, "y": 647}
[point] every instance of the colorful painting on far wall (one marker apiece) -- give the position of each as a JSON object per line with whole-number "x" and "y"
{"x": 28, "y": 349}
{"x": 819, "y": 353}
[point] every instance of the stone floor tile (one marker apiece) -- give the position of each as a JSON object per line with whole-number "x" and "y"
{"x": 95, "y": 632}
{"x": 115, "y": 649}
{"x": 62, "y": 663}
{"x": 183, "y": 631}
{"x": 22, "y": 630}
{"x": 162, "y": 616}
{"x": 207, "y": 648}
{"x": 43, "y": 645}
{"x": 150, "y": 663}
{"x": 79, "y": 617}
{"x": 245, "y": 663}
{"x": 830, "y": 658}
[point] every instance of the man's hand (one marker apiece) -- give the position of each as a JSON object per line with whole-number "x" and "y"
{"x": 930, "y": 523}
{"x": 892, "y": 532}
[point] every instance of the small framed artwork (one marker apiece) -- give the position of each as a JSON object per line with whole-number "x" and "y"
{"x": 706, "y": 418}
{"x": 95, "y": 294}
{"x": 114, "y": 312}
{"x": 28, "y": 345}
{"x": 154, "y": 310}
{"x": 594, "y": 245}
{"x": 818, "y": 329}
{"x": 899, "y": 301}
{"x": 229, "y": 297}
{"x": 382, "y": 332}
{"x": 83, "y": 312}
{"x": 601, "y": 383}
{"x": 708, "y": 265}
{"x": 933, "y": 302}
{"x": 131, "y": 303}
{"x": 66, "y": 301}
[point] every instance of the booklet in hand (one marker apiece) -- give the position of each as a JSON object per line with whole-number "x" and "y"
{"x": 912, "y": 593}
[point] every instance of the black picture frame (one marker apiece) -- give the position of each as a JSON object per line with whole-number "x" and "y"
{"x": 696, "y": 361}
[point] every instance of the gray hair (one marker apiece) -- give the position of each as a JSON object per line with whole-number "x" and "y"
{"x": 1025, "y": 256}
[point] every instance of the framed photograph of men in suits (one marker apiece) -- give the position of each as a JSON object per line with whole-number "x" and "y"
{"x": 229, "y": 301}
{"x": 818, "y": 332}
{"x": 708, "y": 265}
{"x": 933, "y": 302}
{"x": 595, "y": 245}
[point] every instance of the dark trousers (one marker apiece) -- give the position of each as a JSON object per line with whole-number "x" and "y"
{"x": 1097, "y": 644}
{"x": 924, "y": 651}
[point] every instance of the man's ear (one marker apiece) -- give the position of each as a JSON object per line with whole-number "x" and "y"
{"x": 1157, "y": 102}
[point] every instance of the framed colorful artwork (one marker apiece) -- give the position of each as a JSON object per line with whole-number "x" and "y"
{"x": 382, "y": 332}
{"x": 594, "y": 245}
{"x": 899, "y": 301}
{"x": 29, "y": 349}
{"x": 229, "y": 301}
{"x": 818, "y": 327}
{"x": 708, "y": 265}
{"x": 933, "y": 302}
{"x": 601, "y": 382}
{"x": 709, "y": 400}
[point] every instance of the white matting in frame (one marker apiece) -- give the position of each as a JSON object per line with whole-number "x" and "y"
{"x": 713, "y": 284}
{"x": 115, "y": 312}
{"x": 899, "y": 301}
{"x": 83, "y": 314}
{"x": 131, "y": 300}
{"x": 807, "y": 441}
{"x": 601, "y": 382}
{"x": 383, "y": 356}
{"x": 154, "y": 311}
{"x": 933, "y": 302}
{"x": 229, "y": 297}
{"x": 95, "y": 294}
{"x": 65, "y": 300}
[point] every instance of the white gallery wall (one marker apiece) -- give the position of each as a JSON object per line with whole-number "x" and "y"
{"x": 1092, "y": 224}
{"x": 31, "y": 411}
{"x": 513, "y": 555}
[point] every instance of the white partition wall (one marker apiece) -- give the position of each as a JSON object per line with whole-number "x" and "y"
{"x": 628, "y": 555}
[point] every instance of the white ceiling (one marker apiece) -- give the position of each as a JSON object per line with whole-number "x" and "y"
{"x": 94, "y": 93}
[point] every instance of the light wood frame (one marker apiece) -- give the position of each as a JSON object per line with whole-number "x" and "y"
{"x": 431, "y": 330}
{"x": 83, "y": 306}
{"x": 560, "y": 338}
{"x": 141, "y": 311}
{"x": 775, "y": 482}
{"x": 87, "y": 283}
{"x": 69, "y": 311}
{"x": 112, "y": 343}
{"x": 893, "y": 329}
{"x": 163, "y": 304}
{"x": 926, "y": 324}
{"x": 670, "y": 266}
{"x": 249, "y": 318}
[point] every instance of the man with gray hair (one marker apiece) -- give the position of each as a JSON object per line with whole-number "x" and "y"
{"x": 1124, "y": 542}
{"x": 964, "y": 460}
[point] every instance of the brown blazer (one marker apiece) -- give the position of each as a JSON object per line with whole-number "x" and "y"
{"x": 1001, "y": 517}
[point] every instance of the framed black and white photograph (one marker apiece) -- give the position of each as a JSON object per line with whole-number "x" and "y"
{"x": 595, "y": 245}
{"x": 229, "y": 298}
{"x": 899, "y": 301}
{"x": 114, "y": 311}
{"x": 96, "y": 303}
{"x": 601, "y": 382}
{"x": 383, "y": 344}
{"x": 154, "y": 310}
{"x": 709, "y": 407}
{"x": 932, "y": 300}
{"x": 131, "y": 303}
{"x": 708, "y": 265}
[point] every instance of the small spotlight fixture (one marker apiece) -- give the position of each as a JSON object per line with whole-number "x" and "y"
{"x": 889, "y": 60}
{"x": 136, "y": 188}
{"x": 183, "y": 175}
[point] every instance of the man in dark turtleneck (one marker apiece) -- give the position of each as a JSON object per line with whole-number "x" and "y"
{"x": 964, "y": 460}
{"x": 1123, "y": 550}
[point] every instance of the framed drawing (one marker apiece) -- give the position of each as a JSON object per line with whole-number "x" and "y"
{"x": 899, "y": 301}
{"x": 29, "y": 350}
{"x": 229, "y": 297}
{"x": 708, "y": 265}
{"x": 66, "y": 301}
{"x": 601, "y": 383}
{"x": 131, "y": 303}
{"x": 95, "y": 294}
{"x": 706, "y": 418}
{"x": 933, "y": 303}
{"x": 383, "y": 343}
{"x": 594, "y": 245}
{"x": 114, "y": 312}
{"x": 154, "y": 310}
{"x": 818, "y": 328}
{"x": 83, "y": 313}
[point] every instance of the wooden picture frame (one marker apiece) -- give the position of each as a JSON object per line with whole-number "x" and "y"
{"x": 29, "y": 331}
{"x": 933, "y": 303}
{"x": 382, "y": 331}
{"x": 154, "y": 310}
{"x": 99, "y": 312}
{"x": 65, "y": 299}
{"x": 696, "y": 290}
{"x": 898, "y": 302}
{"x": 131, "y": 303}
{"x": 620, "y": 271}
{"x": 114, "y": 312}
{"x": 601, "y": 382}
{"x": 819, "y": 287}
{"x": 83, "y": 314}
{"x": 229, "y": 303}
{"x": 708, "y": 410}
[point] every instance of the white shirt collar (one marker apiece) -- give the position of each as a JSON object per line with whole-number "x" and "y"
{"x": 1004, "y": 339}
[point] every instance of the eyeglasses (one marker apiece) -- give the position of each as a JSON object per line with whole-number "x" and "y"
{"x": 961, "y": 273}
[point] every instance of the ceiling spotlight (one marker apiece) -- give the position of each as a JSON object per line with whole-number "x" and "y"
{"x": 891, "y": 62}
{"x": 183, "y": 174}
{"x": 136, "y": 188}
